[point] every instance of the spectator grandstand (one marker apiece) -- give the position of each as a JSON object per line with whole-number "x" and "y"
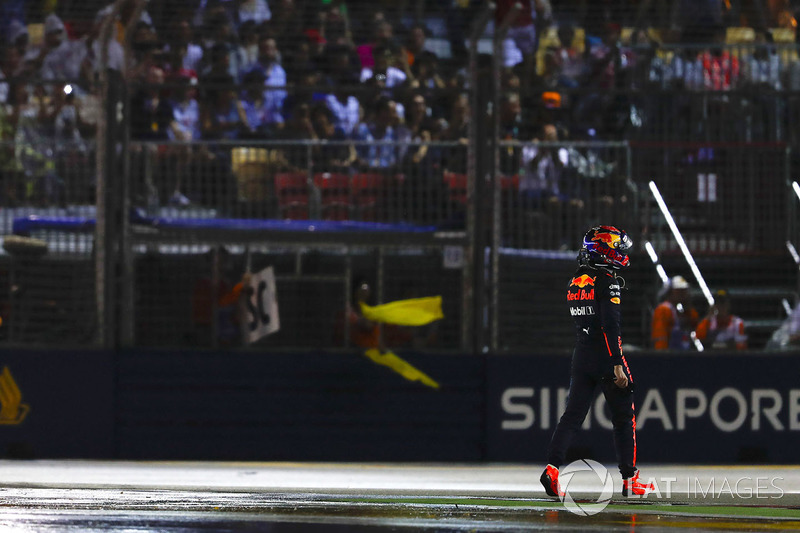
{"x": 378, "y": 112}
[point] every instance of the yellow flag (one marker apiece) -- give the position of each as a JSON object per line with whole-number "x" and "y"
{"x": 401, "y": 366}
{"x": 412, "y": 312}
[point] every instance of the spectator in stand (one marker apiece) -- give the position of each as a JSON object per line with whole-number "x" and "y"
{"x": 151, "y": 115}
{"x": 218, "y": 66}
{"x": 675, "y": 319}
{"x": 425, "y": 73}
{"x": 419, "y": 122}
{"x": 457, "y": 129}
{"x": 90, "y": 53}
{"x": 381, "y": 127}
{"x": 151, "y": 120}
{"x": 543, "y": 166}
{"x": 32, "y": 148}
{"x": 12, "y": 11}
{"x": 336, "y": 24}
{"x": 604, "y": 58}
{"x": 720, "y": 329}
{"x": 762, "y": 73}
{"x": 415, "y": 46}
{"x": 147, "y": 51}
{"x": 382, "y": 37}
{"x": 427, "y": 81}
{"x": 186, "y": 128}
{"x": 345, "y": 108}
{"x": 384, "y": 69}
{"x": 223, "y": 34}
{"x": 9, "y": 170}
{"x": 66, "y": 119}
{"x": 299, "y": 127}
{"x": 605, "y": 110}
{"x": 71, "y": 152}
{"x": 511, "y": 129}
{"x": 182, "y": 37}
{"x": 299, "y": 63}
{"x": 338, "y": 65}
{"x": 762, "y": 68}
{"x": 256, "y": 11}
{"x": 62, "y": 59}
{"x": 421, "y": 166}
{"x": 286, "y": 24}
{"x": 522, "y": 39}
{"x": 262, "y": 119}
{"x": 274, "y": 75}
{"x": 248, "y": 44}
{"x": 315, "y": 35}
{"x": 125, "y": 17}
{"x": 305, "y": 86}
{"x": 340, "y": 78}
{"x": 552, "y": 77}
{"x": 206, "y": 9}
{"x": 459, "y": 15}
{"x": 685, "y": 71}
{"x": 570, "y": 59}
{"x": 334, "y": 157}
{"x": 9, "y": 64}
{"x": 223, "y": 115}
{"x": 28, "y": 61}
{"x": 720, "y": 67}
{"x": 547, "y": 188}
{"x": 721, "y": 72}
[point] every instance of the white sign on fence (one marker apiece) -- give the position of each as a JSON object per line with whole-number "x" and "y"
{"x": 260, "y": 312}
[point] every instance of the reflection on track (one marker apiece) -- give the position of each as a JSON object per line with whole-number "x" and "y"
{"x": 86, "y": 496}
{"x": 165, "y": 511}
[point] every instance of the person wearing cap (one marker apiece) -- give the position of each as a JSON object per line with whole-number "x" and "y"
{"x": 721, "y": 329}
{"x": 674, "y": 319}
{"x": 62, "y": 56}
{"x": 17, "y": 36}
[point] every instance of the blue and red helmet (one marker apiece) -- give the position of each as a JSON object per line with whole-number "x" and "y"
{"x": 604, "y": 246}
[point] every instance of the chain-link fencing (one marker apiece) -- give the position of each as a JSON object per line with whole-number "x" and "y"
{"x": 511, "y": 131}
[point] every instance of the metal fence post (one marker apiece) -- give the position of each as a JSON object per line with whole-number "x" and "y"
{"x": 473, "y": 273}
{"x": 494, "y": 258}
{"x": 101, "y": 171}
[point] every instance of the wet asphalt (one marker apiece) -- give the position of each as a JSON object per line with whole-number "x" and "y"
{"x": 99, "y": 496}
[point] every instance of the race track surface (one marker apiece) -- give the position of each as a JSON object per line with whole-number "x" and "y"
{"x": 170, "y": 497}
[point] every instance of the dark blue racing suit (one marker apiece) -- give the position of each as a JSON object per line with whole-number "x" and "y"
{"x": 593, "y": 297}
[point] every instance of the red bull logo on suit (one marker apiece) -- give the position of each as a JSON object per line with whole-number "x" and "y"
{"x": 582, "y": 281}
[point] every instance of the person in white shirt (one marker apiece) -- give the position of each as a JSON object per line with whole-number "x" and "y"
{"x": 392, "y": 75}
{"x": 274, "y": 76}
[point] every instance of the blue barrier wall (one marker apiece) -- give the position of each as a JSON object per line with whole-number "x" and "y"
{"x": 56, "y": 404}
{"x": 335, "y": 406}
{"x": 699, "y": 408}
{"x": 297, "y": 406}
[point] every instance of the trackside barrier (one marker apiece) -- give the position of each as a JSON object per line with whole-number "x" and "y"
{"x": 213, "y": 405}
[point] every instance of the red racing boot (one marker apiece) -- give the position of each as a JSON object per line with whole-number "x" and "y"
{"x": 633, "y": 487}
{"x": 549, "y": 480}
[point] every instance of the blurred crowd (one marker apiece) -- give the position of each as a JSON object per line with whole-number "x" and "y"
{"x": 339, "y": 70}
